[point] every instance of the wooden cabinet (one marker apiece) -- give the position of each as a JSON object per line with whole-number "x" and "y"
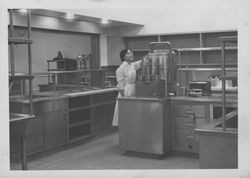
{"x": 187, "y": 117}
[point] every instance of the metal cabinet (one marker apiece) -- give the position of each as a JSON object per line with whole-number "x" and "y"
{"x": 186, "y": 117}
{"x": 34, "y": 128}
{"x": 48, "y": 129}
{"x": 145, "y": 125}
{"x": 35, "y": 134}
{"x": 55, "y": 128}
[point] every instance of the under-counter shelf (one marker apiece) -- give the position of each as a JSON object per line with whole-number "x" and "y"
{"x": 79, "y": 132}
{"x": 78, "y": 116}
{"x": 79, "y": 123}
{"x": 90, "y": 114}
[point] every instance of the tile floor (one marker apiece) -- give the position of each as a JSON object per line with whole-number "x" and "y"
{"x": 104, "y": 153}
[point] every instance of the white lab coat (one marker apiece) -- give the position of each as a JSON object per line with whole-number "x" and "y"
{"x": 125, "y": 76}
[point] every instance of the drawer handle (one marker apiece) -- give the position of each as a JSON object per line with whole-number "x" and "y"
{"x": 189, "y": 112}
{"x": 189, "y": 137}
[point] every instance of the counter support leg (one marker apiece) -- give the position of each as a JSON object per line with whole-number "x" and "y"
{"x": 23, "y": 153}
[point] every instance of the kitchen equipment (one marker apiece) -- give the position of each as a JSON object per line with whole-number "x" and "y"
{"x": 145, "y": 126}
{"x": 150, "y": 89}
{"x": 199, "y": 88}
{"x": 156, "y": 78}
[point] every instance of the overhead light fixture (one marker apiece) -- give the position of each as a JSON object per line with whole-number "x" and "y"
{"x": 105, "y": 21}
{"x": 23, "y": 11}
{"x": 70, "y": 16}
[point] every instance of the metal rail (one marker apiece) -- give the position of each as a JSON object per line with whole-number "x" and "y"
{"x": 17, "y": 118}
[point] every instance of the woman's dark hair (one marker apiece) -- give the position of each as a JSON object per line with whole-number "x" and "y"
{"x": 123, "y": 53}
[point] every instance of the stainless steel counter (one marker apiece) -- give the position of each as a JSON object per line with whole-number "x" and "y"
{"x": 91, "y": 92}
{"x": 210, "y": 99}
{"x": 51, "y": 95}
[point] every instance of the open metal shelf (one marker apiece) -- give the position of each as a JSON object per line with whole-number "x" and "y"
{"x": 18, "y": 121}
{"x": 20, "y": 40}
{"x": 223, "y": 77}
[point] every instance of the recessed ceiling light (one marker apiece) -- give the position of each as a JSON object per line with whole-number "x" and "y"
{"x": 69, "y": 16}
{"x": 105, "y": 21}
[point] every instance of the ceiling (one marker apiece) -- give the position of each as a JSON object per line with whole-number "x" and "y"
{"x": 61, "y": 15}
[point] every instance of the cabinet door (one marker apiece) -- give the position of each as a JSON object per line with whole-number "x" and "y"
{"x": 35, "y": 134}
{"x": 55, "y": 128}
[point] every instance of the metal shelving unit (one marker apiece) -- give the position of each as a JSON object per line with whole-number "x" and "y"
{"x": 18, "y": 120}
{"x": 224, "y": 41}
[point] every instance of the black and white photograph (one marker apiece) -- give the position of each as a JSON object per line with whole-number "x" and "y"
{"x": 141, "y": 89}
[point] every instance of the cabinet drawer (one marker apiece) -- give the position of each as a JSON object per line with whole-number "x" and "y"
{"x": 198, "y": 111}
{"x": 184, "y": 122}
{"x": 186, "y": 145}
{"x": 180, "y": 110}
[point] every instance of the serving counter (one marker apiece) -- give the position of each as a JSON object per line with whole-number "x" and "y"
{"x": 65, "y": 117}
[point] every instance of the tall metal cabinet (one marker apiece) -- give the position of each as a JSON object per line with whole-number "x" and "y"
{"x": 17, "y": 120}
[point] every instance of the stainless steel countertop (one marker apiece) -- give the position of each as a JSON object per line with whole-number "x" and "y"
{"x": 142, "y": 98}
{"x": 216, "y": 98}
{"x": 91, "y": 92}
{"x": 60, "y": 94}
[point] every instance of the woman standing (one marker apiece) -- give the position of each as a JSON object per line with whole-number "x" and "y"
{"x": 125, "y": 76}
